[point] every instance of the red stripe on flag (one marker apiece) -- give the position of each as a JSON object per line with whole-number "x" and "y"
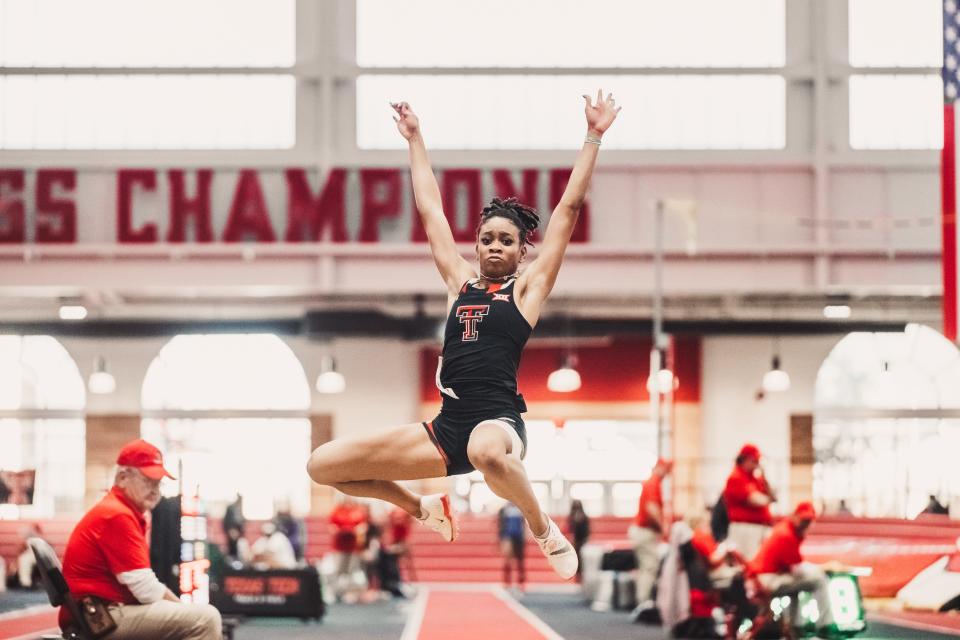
{"x": 948, "y": 224}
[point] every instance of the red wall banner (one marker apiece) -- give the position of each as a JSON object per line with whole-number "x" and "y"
{"x": 609, "y": 373}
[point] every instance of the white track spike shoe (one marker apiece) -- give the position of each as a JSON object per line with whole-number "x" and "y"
{"x": 438, "y": 515}
{"x": 559, "y": 551}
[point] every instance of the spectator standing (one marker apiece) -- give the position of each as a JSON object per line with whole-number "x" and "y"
{"x": 647, "y": 531}
{"x": 747, "y": 497}
{"x": 578, "y": 522}
{"x": 511, "y": 533}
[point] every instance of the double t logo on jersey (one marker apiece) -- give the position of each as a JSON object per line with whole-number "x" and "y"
{"x": 470, "y": 315}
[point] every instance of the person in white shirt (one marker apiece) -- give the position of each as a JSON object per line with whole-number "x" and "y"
{"x": 273, "y": 549}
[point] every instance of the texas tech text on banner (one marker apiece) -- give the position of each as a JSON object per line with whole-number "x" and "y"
{"x": 147, "y": 206}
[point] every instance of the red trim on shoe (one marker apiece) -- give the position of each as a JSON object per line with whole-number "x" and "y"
{"x": 448, "y": 512}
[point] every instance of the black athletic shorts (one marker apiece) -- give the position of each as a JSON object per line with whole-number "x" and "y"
{"x": 450, "y": 433}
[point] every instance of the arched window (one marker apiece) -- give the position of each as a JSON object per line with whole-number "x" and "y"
{"x": 230, "y": 413}
{"x": 42, "y": 434}
{"x": 886, "y": 422}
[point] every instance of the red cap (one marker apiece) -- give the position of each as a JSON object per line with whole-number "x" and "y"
{"x": 805, "y": 511}
{"x": 749, "y": 451}
{"x": 145, "y": 457}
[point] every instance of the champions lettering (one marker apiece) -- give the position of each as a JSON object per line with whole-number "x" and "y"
{"x": 293, "y": 205}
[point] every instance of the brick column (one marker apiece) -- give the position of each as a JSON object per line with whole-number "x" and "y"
{"x": 321, "y": 432}
{"x": 106, "y": 434}
{"x": 687, "y": 444}
{"x": 801, "y": 459}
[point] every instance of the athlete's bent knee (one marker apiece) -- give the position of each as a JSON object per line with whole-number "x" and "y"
{"x": 488, "y": 461}
{"x": 320, "y": 468}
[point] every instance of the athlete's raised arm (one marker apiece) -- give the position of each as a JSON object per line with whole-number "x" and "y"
{"x": 454, "y": 269}
{"x": 537, "y": 281}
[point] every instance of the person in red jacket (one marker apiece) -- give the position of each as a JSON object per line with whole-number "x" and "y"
{"x": 107, "y": 558}
{"x": 348, "y": 528}
{"x": 647, "y": 531}
{"x": 747, "y": 497}
{"x": 722, "y": 560}
{"x": 779, "y": 565}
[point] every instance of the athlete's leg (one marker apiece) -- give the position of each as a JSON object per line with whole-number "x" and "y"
{"x": 492, "y": 449}
{"x": 366, "y": 466}
{"x": 489, "y": 450}
{"x": 382, "y": 490}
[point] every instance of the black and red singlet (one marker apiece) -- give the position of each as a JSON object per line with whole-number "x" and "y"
{"x": 483, "y": 339}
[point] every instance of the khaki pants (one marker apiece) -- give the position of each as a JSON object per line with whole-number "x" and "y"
{"x": 748, "y": 537}
{"x": 646, "y": 543}
{"x": 166, "y": 620}
{"x": 25, "y": 564}
{"x": 805, "y": 577}
{"x": 722, "y": 576}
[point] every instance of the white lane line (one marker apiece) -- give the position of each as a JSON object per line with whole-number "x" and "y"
{"x": 912, "y": 624}
{"x": 415, "y": 619}
{"x": 527, "y": 615}
{"x": 37, "y": 634}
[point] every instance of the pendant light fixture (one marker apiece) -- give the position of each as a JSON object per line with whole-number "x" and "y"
{"x": 101, "y": 381}
{"x": 330, "y": 380}
{"x": 776, "y": 379}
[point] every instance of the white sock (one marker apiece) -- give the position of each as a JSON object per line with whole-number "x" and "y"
{"x": 546, "y": 533}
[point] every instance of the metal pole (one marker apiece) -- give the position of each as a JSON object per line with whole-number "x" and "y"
{"x": 660, "y": 343}
{"x": 655, "y": 354}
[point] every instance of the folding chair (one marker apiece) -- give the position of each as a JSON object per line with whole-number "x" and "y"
{"x": 51, "y": 577}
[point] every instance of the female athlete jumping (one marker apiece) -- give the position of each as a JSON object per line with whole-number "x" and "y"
{"x": 490, "y": 317}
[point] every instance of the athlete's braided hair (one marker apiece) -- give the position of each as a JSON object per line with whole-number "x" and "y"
{"x": 525, "y": 218}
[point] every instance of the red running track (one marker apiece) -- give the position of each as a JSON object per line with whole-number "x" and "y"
{"x": 477, "y": 615}
{"x": 946, "y": 623}
{"x": 28, "y": 625}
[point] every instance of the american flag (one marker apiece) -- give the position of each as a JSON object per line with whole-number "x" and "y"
{"x": 948, "y": 165}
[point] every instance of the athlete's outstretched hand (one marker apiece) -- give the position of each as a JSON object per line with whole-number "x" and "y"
{"x": 602, "y": 114}
{"x": 407, "y": 122}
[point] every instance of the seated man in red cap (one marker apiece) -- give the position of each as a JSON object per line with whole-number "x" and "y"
{"x": 107, "y": 558}
{"x": 747, "y": 497}
{"x": 647, "y": 531}
{"x": 780, "y": 568}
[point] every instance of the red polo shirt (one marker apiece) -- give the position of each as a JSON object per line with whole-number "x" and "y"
{"x": 400, "y": 522}
{"x": 736, "y": 495}
{"x": 347, "y": 519}
{"x": 109, "y": 539}
{"x": 650, "y": 493}
{"x": 780, "y": 552}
